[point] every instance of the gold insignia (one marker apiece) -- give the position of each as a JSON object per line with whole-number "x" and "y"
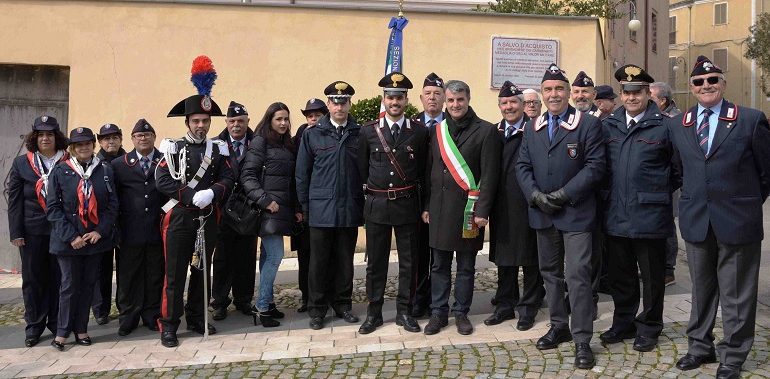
{"x": 396, "y": 78}
{"x": 632, "y": 71}
{"x": 341, "y": 86}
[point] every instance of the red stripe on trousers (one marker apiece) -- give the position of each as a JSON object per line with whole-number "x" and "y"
{"x": 164, "y": 298}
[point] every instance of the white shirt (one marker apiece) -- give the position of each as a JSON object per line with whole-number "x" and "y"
{"x": 636, "y": 118}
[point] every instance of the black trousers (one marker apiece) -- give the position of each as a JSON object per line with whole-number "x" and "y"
{"x": 179, "y": 230}
{"x": 378, "y": 237}
{"x": 337, "y": 245}
{"x": 422, "y": 262}
{"x": 527, "y": 301}
{"x": 302, "y": 244}
{"x": 442, "y": 282}
{"x": 234, "y": 268}
{"x": 625, "y": 254}
{"x": 140, "y": 282}
{"x": 40, "y": 279}
{"x": 102, "y": 299}
{"x": 79, "y": 274}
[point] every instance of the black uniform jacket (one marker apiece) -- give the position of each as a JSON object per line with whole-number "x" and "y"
{"x": 573, "y": 161}
{"x": 379, "y": 174}
{"x": 639, "y": 179}
{"x": 236, "y": 163}
{"x": 725, "y": 189}
{"x": 102, "y": 154}
{"x": 26, "y": 216}
{"x": 480, "y": 145}
{"x": 62, "y": 202}
{"x": 140, "y": 200}
{"x": 511, "y": 241}
{"x": 329, "y": 184}
{"x": 219, "y": 176}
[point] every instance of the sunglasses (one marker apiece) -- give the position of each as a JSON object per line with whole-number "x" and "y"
{"x": 711, "y": 79}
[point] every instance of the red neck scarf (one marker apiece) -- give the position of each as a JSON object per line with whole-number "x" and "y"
{"x": 38, "y": 167}
{"x": 87, "y": 204}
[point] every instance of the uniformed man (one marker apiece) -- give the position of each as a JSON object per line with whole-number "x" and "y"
{"x": 583, "y": 93}
{"x": 392, "y": 161}
{"x": 330, "y": 189}
{"x": 235, "y": 260}
{"x": 464, "y": 166}
{"x": 513, "y": 243}
{"x": 432, "y": 99}
{"x": 196, "y": 174}
{"x": 605, "y": 101}
{"x": 140, "y": 260}
{"x": 565, "y": 141}
{"x": 110, "y": 139}
{"x": 637, "y": 211}
{"x": 300, "y": 241}
{"x": 725, "y": 162}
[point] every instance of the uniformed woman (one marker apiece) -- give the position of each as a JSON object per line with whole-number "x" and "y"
{"x": 29, "y": 229}
{"x": 82, "y": 207}
{"x": 268, "y": 180}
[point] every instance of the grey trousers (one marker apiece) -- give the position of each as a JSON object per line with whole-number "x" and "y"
{"x": 726, "y": 274}
{"x": 557, "y": 250}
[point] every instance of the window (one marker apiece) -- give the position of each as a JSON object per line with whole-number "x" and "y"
{"x": 672, "y": 72}
{"x": 720, "y": 13}
{"x": 720, "y": 58}
{"x": 632, "y": 14}
{"x": 672, "y": 30}
{"x": 654, "y": 37}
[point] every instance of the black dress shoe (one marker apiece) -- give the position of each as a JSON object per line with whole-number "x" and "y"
{"x": 645, "y": 344}
{"x": 168, "y": 339}
{"x": 220, "y": 314}
{"x": 316, "y": 323}
{"x": 584, "y": 357}
{"x": 728, "y": 372}
{"x": 102, "y": 320}
{"x": 435, "y": 324}
{"x": 370, "y": 324}
{"x": 197, "y": 327}
{"x": 83, "y": 341}
{"x": 348, "y": 317}
{"x": 498, "y": 318}
{"x": 463, "y": 325}
{"x": 691, "y": 362}
{"x": 273, "y": 311}
{"x": 553, "y": 338}
{"x": 124, "y": 332}
{"x": 302, "y": 308}
{"x": 57, "y": 345}
{"x": 31, "y": 341}
{"x": 616, "y": 335}
{"x": 409, "y": 324}
{"x": 525, "y": 323}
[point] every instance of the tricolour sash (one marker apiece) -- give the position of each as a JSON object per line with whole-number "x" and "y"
{"x": 462, "y": 175}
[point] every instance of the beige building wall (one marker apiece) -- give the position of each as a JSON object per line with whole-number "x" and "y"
{"x": 132, "y": 59}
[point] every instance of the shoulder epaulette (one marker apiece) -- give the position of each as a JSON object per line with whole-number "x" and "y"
{"x": 168, "y": 146}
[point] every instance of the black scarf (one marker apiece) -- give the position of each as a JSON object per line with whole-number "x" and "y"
{"x": 457, "y": 126}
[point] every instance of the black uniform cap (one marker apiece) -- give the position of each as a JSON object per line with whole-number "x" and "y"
{"x": 45, "y": 123}
{"x": 395, "y": 82}
{"x": 315, "y": 105}
{"x": 554, "y": 73}
{"x": 339, "y": 92}
{"x": 108, "y": 129}
{"x": 142, "y": 126}
{"x": 433, "y": 80}
{"x": 81, "y": 134}
{"x": 235, "y": 110}
{"x": 633, "y": 77}
{"x": 605, "y": 92}
{"x": 583, "y": 80}
{"x": 704, "y": 66}
{"x": 509, "y": 89}
{"x": 196, "y": 104}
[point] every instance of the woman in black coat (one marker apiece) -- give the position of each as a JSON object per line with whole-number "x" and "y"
{"x": 268, "y": 181}
{"x": 29, "y": 229}
{"x": 82, "y": 208}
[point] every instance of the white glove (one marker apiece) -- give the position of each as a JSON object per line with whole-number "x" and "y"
{"x": 202, "y": 199}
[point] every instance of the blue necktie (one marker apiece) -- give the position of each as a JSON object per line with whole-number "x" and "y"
{"x": 145, "y": 165}
{"x": 237, "y": 149}
{"x": 703, "y": 132}
{"x": 553, "y": 127}
{"x": 508, "y": 131}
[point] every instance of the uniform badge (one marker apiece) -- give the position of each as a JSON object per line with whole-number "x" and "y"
{"x": 409, "y": 149}
{"x": 44, "y": 118}
{"x": 206, "y": 103}
{"x": 132, "y": 160}
{"x": 340, "y": 87}
{"x": 79, "y": 130}
{"x": 146, "y": 126}
{"x": 572, "y": 150}
{"x": 730, "y": 112}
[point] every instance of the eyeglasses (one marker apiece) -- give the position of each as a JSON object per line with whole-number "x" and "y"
{"x": 142, "y": 135}
{"x": 532, "y": 102}
{"x": 711, "y": 79}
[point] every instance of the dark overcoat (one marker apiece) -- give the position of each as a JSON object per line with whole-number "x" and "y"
{"x": 26, "y": 216}
{"x": 140, "y": 201}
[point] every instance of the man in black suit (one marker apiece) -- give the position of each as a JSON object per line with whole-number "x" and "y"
{"x": 391, "y": 145}
{"x": 725, "y": 168}
{"x": 140, "y": 259}
{"x": 561, "y": 163}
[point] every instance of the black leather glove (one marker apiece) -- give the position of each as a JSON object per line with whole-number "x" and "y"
{"x": 558, "y": 197}
{"x": 540, "y": 200}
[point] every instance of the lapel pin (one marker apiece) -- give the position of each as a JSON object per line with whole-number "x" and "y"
{"x": 133, "y": 160}
{"x": 729, "y": 125}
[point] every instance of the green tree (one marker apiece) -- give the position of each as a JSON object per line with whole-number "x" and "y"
{"x": 758, "y": 49}
{"x": 595, "y": 8}
{"x": 366, "y": 110}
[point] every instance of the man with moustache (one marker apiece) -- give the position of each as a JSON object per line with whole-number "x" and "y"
{"x": 513, "y": 244}
{"x": 140, "y": 260}
{"x": 561, "y": 163}
{"x": 392, "y": 144}
{"x": 314, "y": 110}
{"x": 725, "y": 167}
{"x": 432, "y": 98}
{"x": 196, "y": 175}
{"x": 235, "y": 260}
{"x": 532, "y": 103}
{"x": 637, "y": 211}
{"x": 464, "y": 166}
{"x": 605, "y": 101}
{"x": 110, "y": 139}
{"x": 330, "y": 189}
{"x": 583, "y": 93}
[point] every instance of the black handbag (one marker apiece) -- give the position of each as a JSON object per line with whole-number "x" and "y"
{"x": 241, "y": 214}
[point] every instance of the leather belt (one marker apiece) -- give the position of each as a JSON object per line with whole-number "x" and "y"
{"x": 392, "y": 193}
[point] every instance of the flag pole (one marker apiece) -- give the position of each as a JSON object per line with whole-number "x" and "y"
{"x": 400, "y": 8}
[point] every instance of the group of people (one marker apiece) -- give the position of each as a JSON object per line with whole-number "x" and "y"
{"x": 576, "y": 198}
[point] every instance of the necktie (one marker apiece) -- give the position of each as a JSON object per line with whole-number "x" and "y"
{"x": 394, "y": 131}
{"x": 145, "y": 165}
{"x": 508, "y": 131}
{"x": 631, "y": 124}
{"x": 432, "y": 123}
{"x": 553, "y": 126}
{"x": 237, "y": 148}
{"x": 703, "y": 132}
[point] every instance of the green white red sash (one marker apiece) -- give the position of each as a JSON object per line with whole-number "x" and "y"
{"x": 462, "y": 175}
